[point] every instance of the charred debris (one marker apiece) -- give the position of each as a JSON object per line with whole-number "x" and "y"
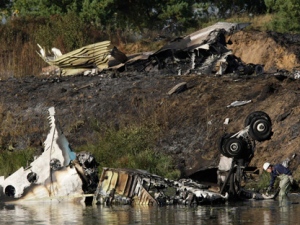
{"x": 59, "y": 174}
{"x": 126, "y": 186}
{"x": 202, "y": 52}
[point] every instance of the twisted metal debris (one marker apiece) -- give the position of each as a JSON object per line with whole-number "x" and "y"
{"x": 128, "y": 186}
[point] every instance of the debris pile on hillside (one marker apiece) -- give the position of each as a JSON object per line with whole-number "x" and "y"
{"x": 202, "y": 52}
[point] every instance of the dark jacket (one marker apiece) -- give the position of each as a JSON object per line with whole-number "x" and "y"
{"x": 277, "y": 170}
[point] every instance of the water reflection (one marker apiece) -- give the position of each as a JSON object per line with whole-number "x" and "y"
{"x": 267, "y": 212}
{"x": 41, "y": 213}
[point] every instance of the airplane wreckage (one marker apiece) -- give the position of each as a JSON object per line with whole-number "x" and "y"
{"x": 202, "y": 52}
{"x": 59, "y": 174}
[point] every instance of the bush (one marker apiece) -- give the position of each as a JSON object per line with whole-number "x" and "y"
{"x": 132, "y": 147}
{"x": 286, "y": 17}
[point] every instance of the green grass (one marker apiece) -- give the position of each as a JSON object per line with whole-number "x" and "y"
{"x": 261, "y": 183}
{"x": 132, "y": 147}
{"x": 11, "y": 161}
{"x": 129, "y": 147}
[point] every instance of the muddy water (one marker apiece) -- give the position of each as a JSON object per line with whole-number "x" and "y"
{"x": 265, "y": 212}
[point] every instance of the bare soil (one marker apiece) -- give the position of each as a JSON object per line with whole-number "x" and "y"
{"x": 275, "y": 51}
{"x": 191, "y": 121}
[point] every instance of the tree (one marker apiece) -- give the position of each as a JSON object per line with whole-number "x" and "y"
{"x": 271, "y": 5}
{"x": 151, "y": 14}
{"x": 97, "y": 12}
{"x": 35, "y": 7}
{"x": 179, "y": 12}
{"x": 46, "y": 7}
{"x": 287, "y": 16}
{"x": 232, "y": 7}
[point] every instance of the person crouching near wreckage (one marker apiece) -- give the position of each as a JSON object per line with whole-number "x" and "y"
{"x": 284, "y": 174}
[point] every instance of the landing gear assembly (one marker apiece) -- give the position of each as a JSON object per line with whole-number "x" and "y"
{"x": 238, "y": 149}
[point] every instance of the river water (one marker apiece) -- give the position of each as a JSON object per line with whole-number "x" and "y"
{"x": 266, "y": 212}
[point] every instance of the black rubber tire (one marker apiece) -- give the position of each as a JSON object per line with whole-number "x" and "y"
{"x": 256, "y": 114}
{"x": 222, "y": 142}
{"x": 260, "y": 129}
{"x": 234, "y": 147}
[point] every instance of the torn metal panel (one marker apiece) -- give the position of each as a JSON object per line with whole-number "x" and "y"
{"x": 205, "y": 37}
{"x": 58, "y": 174}
{"x": 77, "y": 61}
{"x": 202, "y": 52}
{"x": 128, "y": 186}
{"x": 238, "y": 103}
{"x": 178, "y": 88}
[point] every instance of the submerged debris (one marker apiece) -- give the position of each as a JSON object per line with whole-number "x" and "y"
{"x": 237, "y": 151}
{"x": 58, "y": 174}
{"x": 127, "y": 186}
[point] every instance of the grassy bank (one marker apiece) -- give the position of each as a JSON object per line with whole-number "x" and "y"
{"x": 130, "y": 147}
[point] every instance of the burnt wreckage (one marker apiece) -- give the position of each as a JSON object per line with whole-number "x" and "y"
{"x": 237, "y": 150}
{"x": 59, "y": 174}
{"x": 126, "y": 186}
{"x": 138, "y": 187}
{"x": 202, "y": 52}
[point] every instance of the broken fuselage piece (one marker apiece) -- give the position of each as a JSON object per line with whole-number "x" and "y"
{"x": 90, "y": 57}
{"x": 129, "y": 186}
{"x": 58, "y": 174}
{"x": 202, "y": 52}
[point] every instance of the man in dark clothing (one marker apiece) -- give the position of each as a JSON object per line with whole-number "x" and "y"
{"x": 284, "y": 174}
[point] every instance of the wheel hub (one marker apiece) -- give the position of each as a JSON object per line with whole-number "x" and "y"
{"x": 261, "y": 127}
{"x": 234, "y": 147}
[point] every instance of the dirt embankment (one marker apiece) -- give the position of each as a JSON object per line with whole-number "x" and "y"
{"x": 191, "y": 121}
{"x": 273, "y": 50}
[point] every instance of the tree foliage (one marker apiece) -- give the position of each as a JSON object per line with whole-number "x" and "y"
{"x": 271, "y": 5}
{"x": 138, "y": 14}
{"x": 287, "y": 15}
{"x": 232, "y": 7}
{"x": 174, "y": 15}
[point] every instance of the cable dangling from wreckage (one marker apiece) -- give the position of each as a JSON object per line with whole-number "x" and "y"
{"x": 52, "y": 124}
{"x": 56, "y": 135}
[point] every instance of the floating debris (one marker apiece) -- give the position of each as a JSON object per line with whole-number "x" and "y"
{"x": 58, "y": 174}
{"x": 128, "y": 186}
